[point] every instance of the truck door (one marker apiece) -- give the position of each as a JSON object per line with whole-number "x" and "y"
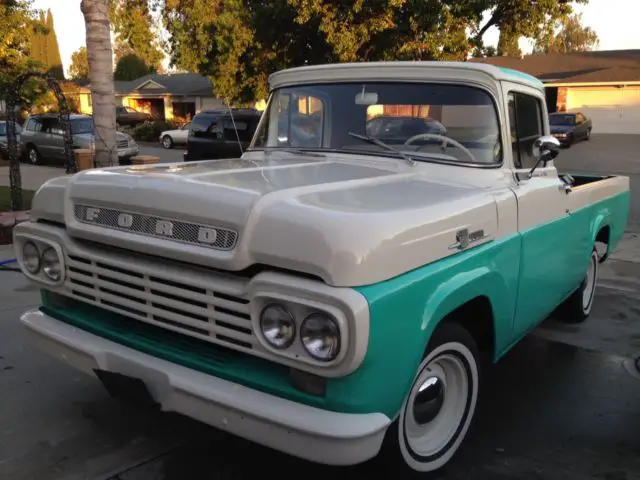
{"x": 546, "y": 274}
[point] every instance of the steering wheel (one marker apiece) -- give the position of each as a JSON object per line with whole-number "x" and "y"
{"x": 445, "y": 141}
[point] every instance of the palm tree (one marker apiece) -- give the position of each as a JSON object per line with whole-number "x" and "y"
{"x": 99, "y": 51}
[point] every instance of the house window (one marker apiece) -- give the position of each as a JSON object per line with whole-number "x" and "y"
{"x": 525, "y": 121}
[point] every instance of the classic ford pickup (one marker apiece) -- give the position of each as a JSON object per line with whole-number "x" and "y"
{"x": 334, "y": 292}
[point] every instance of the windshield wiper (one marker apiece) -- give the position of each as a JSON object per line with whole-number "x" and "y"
{"x": 293, "y": 150}
{"x": 380, "y": 143}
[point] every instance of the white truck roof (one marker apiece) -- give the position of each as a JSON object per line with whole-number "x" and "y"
{"x": 402, "y": 70}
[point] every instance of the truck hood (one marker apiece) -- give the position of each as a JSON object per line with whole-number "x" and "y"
{"x": 347, "y": 223}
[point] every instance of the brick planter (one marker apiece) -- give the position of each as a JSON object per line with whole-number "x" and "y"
{"x": 8, "y": 220}
{"x": 84, "y": 158}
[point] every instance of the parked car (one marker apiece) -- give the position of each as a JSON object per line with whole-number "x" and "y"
{"x": 4, "y": 151}
{"x": 130, "y": 116}
{"x": 387, "y": 128}
{"x": 328, "y": 300}
{"x": 43, "y": 139}
{"x": 215, "y": 133}
{"x": 568, "y": 128}
{"x": 170, "y": 138}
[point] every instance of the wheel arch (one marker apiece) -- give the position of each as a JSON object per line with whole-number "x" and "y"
{"x": 601, "y": 232}
{"x": 479, "y": 300}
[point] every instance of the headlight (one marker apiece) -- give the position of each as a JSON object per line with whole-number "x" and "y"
{"x": 31, "y": 257}
{"x": 51, "y": 265}
{"x": 278, "y": 326}
{"x": 321, "y": 337}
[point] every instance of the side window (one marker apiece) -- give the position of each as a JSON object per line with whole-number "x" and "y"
{"x": 525, "y": 120}
{"x": 244, "y": 130}
{"x": 199, "y": 124}
{"x": 52, "y": 125}
{"x": 34, "y": 125}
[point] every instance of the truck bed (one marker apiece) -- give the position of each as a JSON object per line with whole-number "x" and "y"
{"x": 585, "y": 178}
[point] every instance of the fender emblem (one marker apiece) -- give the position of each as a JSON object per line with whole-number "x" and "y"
{"x": 464, "y": 238}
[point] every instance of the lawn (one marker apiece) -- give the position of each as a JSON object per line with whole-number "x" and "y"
{"x": 5, "y": 199}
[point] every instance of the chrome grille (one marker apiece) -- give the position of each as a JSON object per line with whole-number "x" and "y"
{"x": 122, "y": 143}
{"x": 203, "y": 309}
{"x": 184, "y": 232}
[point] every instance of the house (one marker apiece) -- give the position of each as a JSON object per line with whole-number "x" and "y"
{"x": 604, "y": 85}
{"x": 166, "y": 96}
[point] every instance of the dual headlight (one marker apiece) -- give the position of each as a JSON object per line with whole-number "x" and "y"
{"x": 46, "y": 261}
{"x": 319, "y": 333}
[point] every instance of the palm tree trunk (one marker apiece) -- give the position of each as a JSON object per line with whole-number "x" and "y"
{"x": 99, "y": 52}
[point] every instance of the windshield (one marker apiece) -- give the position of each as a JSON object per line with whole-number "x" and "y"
{"x": 562, "y": 119}
{"x": 428, "y": 122}
{"x": 84, "y": 125}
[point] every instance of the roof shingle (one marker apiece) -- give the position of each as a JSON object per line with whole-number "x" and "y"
{"x": 581, "y": 67}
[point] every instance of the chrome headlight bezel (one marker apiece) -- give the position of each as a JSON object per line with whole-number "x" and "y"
{"x": 42, "y": 244}
{"x": 303, "y": 298}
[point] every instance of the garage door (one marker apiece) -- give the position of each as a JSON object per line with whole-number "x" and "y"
{"x": 612, "y": 110}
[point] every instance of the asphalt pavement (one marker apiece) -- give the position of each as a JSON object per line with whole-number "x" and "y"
{"x": 563, "y": 404}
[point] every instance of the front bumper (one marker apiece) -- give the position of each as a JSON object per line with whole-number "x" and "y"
{"x": 307, "y": 432}
{"x": 564, "y": 140}
{"x": 127, "y": 153}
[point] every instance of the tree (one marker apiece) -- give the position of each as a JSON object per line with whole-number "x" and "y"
{"x": 99, "y": 53}
{"x": 18, "y": 22}
{"x": 568, "y": 35}
{"x": 131, "y": 21}
{"x": 130, "y": 67}
{"x": 238, "y": 43}
{"x": 79, "y": 68}
{"x": 522, "y": 18}
{"x": 53, "y": 50}
{"x": 45, "y": 49}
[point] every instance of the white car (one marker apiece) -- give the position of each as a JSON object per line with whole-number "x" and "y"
{"x": 328, "y": 292}
{"x": 169, "y": 138}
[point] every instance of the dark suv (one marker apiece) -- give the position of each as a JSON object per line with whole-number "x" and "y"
{"x": 212, "y": 133}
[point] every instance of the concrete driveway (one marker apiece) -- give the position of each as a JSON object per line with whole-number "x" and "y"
{"x": 607, "y": 154}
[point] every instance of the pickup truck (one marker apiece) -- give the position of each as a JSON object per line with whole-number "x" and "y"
{"x": 328, "y": 294}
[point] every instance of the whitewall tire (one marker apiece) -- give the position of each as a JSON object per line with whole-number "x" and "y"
{"x": 578, "y": 306}
{"x": 437, "y": 412}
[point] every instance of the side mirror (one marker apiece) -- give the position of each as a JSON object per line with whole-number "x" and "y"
{"x": 545, "y": 149}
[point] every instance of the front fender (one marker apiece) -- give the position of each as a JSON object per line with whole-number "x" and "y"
{"x": 405, "y": 310}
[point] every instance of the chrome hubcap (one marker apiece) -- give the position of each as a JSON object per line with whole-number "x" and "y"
{"x": 167, "y": 142}
{"x": 33, "y": 156}
{"x": 429, "y": 400}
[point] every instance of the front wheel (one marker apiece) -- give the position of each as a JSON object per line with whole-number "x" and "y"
{"x": 577, "y": 308}
{"x": 167, "y": 142}
{"x": 438, "y": 411}
{"x": 33, "y": 155}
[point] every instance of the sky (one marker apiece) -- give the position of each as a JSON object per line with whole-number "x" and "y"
{"x": 616, "y": 26}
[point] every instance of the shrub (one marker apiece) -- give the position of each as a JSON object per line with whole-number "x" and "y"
{"x": 150, "y": 131}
